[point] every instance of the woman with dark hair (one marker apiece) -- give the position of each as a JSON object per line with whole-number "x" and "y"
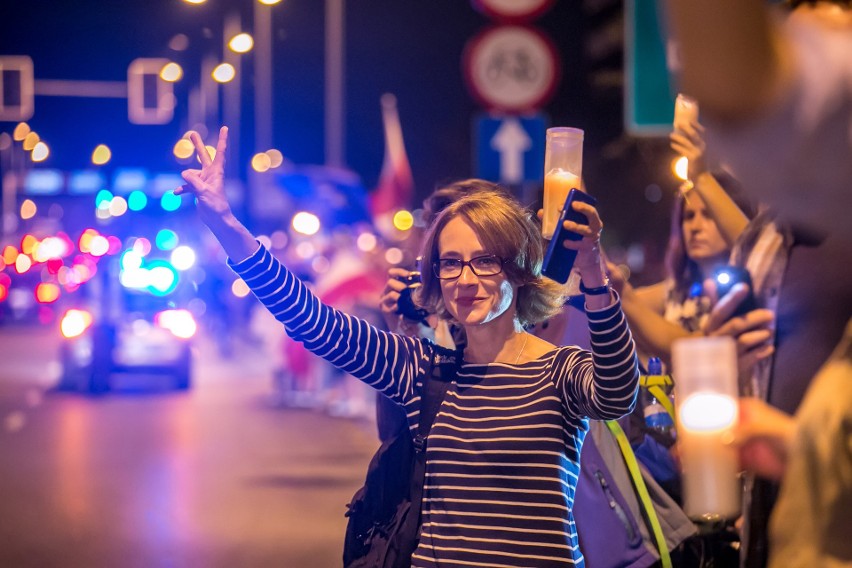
{"x": 706, "y": 221}
{"x": 503, "y": 453}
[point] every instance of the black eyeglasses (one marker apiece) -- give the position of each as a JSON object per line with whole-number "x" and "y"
{"x": 450, "y": 268}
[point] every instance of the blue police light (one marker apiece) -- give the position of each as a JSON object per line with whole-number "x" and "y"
{"x": 166, "y": 239}
{"x": 137, "y": 200}
{"x": 170, "y": 201}
{"x": 162, "y": 278}
{"x": 103, "y": 196}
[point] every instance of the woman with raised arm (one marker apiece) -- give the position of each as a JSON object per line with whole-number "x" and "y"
{"x": 503, "y": 454}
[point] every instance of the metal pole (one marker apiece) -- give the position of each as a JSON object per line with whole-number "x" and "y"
{"x": 231, "y": 96}
{"x": 262, "y": 77}
{"x": 335, "y": 123}
{"x": 209, "y": 94}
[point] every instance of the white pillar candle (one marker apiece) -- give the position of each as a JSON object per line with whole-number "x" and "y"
{"x": 705, "y": 377}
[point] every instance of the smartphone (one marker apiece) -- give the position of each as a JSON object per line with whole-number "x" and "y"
{"x": 558, "y": 260}
{"x": 685, "y": 111}
{"x": 725, "y": 279}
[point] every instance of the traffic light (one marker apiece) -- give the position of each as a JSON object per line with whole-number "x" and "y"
{"x": 150, "y": 98}
{"x": 16, "y": 88}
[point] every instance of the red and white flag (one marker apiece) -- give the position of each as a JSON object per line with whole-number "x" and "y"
{"x": 395, "y": 188}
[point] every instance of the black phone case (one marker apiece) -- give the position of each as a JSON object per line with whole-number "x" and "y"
{"x": 559, "y": 260}
{"x": 737, "y": 274}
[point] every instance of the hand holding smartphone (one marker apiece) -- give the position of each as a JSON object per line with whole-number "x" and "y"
{"x": 558, "y": 260}
{"x": 726, "y": 277}
{"x": 685, "y": 112}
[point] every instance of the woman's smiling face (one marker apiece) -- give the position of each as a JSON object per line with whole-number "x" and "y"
{"x": 472, "y": 299}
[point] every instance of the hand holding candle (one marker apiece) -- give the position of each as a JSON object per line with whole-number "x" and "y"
{"x": 563, "y": 170}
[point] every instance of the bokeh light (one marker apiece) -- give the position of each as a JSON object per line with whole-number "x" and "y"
{"x": 137, "y": 200}
{"x": 103, "y": 196}
{"x": 183, "y": 149}
{"x": 21, "y": 131}
{"x": 28, "y": 209}
{"x": 118, "y": 206}
{"x": 30, "y": 140}
{"x": 224, "y": 73}
{"x": 179, "y": 42}
{"x": 306, "y": 223}
{"x": 366, "y": 242}
{"x": 99, "y": 246}
{"x": 101, "y": 155}
{"x": 166, "y": 239}
{"x": 261, "y": 162}
{"x": 394, "y": 255}
{"x": 75, "y": 322}
{"x": 47, "y": 293}
{"x": 170, "y": 202}
{"x": 239, "y": 288}
{"x": 403, "y": 220}
{"x": 28, "y": 243}
{"x": 23, "y": 263}
{"x": 276, "y": 158}
{"x": 171, "y": 72}
{"x": 41, "y": 152}
{"x": 183, "y": 258}
{"x": 241, "y": 43}
{"x": 142, "y": 246}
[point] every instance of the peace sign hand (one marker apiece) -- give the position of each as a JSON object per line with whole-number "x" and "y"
{"x": 208, "y": 183}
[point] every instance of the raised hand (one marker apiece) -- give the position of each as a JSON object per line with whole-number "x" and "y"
{"x": 589, "y": 260}
{"x": 208, "y": 186}
{"x": 752, "y": 331}
{"x": 390, "y": 296}
{"x": 208, "y": 183}
{"x": 689, "y": 142}
{"x": 588, "y": 248}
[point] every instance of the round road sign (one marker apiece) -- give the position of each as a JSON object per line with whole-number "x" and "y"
{"x": 511, "y": 68}
{"x": 513, "y": 10}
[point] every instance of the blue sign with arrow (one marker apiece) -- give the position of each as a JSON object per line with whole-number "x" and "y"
{"x": 510, "y": 149}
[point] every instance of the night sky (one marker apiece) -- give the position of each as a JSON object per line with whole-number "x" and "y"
{"x": 410, "y": 48}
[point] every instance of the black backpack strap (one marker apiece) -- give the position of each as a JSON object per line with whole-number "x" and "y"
{"x": 435, "y": 384}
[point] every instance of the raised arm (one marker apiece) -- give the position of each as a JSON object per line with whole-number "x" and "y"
{"x": 208, "y": 186}
{"x": 385, "y": 361}
{"x": 601, "y": 384}
{"x": 729, "y": 218}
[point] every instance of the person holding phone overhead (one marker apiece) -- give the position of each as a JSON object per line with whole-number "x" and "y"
{"x": 503, "y": 455}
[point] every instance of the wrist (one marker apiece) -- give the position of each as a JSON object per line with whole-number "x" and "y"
{"x": 596, "y": 290}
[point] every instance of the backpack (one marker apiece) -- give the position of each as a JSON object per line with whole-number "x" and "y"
{"x": 383, "y": 529}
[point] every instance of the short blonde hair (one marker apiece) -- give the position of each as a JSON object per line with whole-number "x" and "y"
{"x": 508, "y": 230}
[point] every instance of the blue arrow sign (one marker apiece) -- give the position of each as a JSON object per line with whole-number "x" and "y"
{"x": 510, "y": 149}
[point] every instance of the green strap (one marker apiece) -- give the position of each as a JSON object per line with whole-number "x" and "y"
{"x": 642, "y": 491}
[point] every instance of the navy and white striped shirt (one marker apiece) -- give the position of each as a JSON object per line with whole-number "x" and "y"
{"x": 503, "y": 454}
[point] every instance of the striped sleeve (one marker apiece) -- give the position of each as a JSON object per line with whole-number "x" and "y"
{"x": 601, "y": 384}
{"x": 386, "y": 361}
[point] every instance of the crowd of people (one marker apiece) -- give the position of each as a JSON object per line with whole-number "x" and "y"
{"x": 526, "y": 463}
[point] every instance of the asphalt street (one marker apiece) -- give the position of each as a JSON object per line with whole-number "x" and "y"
{"x": 146, "y": 476}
